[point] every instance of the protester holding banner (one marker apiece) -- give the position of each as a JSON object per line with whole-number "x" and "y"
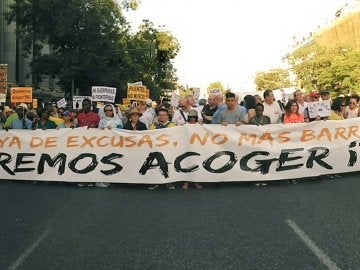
{"x": 209, "y": 109}
{"x": 192, "y": 119}
{"x": 180, "y": 115}
{"x": 13, "y": 116}
{"x": 68, "y": 118}
{"x": 260, "y": 119}
{"x": 148, "y": 113}
{"x": 162, "y": 120}
{"x": 337, "y": 108}
{"x": 43, "y": 121}
{"x": 249, "y": 103}
{"x": 232, "y": 115}
{"x": 111, "y": 118}
{"x": 88, "y": 118}
{"x": 133, "y": 122}
{"x": 272, "y": 107}
{"x": 299, "y": 97}
{"x": 52, "y": 109}
{"x": 352, "y": 110}
{"x": 22, "y": 122}
{"x": 292, "y": 114}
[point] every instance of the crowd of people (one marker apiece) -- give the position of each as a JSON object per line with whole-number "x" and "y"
{"x": 217, "y": 109}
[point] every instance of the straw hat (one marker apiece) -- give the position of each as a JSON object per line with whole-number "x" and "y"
{"x": 134, "y": 111}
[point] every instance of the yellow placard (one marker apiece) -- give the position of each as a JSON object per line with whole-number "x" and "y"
{"x": 136, "y": 92}
{"x": 35, "y": 103}
{"x": 21, "y": 94}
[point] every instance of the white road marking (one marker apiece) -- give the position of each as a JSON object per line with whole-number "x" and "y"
{"x": 26, "y": 254}
{"x": 312, "y": 246}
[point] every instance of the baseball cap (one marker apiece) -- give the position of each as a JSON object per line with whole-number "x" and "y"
{"x": 68, "y": 113}
{"x": 22, "y": 105}
{"x": 7, "y": 109}
{"x": 325, "y": 92}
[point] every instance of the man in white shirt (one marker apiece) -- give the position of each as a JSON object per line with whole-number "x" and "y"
{"x": 181, "y": 114}
{"x": 148, "y": 113}
{"x": 272, "y": 107}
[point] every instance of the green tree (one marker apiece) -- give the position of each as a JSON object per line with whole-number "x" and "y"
{"x": 156, "y": 72}
{"x": 335, "y": 69}
{"x": 273, "y": 79}
{"x": 89, "y": 43}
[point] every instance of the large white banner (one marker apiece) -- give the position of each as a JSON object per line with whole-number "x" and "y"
{"x": 207, "y": 153}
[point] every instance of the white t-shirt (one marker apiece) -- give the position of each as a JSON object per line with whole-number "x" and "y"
{"x": 178, "y": 118}
{"x": 273, "y": 111}
{"x": 352, "y": 113}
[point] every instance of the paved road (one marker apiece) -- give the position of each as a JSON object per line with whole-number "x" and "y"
{"x": 311, "y": 225}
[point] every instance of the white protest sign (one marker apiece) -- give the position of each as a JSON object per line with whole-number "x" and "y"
{"x": 103, "y": 93}
{"x": 174, "y": 100}
{"x": 135, "y": 83}
{"x": 319, "y": 108}
{"x": 77, "y": 101}
{"x": 61, "y": 103}
{"x": 215, "y": 91}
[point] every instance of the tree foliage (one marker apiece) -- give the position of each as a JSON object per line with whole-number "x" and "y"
{"x": 89, "y": 43}
{"x": 273, "y": 79}
{"x": 335, "y": 69}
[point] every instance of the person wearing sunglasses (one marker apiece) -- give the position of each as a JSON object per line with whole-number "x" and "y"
{"x": 352, "y": 110}
{"x": 111, "y": 118}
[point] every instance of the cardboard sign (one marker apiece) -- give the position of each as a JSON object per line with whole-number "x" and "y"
{"x": 3, "y": 79}
{"x": 77, "y": 101}
{"x": 319, "y": 108}
{"x": 21, "y": 94}
{"x": 35, "y": 103}
{"x": 61, "y": 103}
{"x": 103, "y": 93}
{"x": 215, "y": 91}
{"x": 136, "y": 92}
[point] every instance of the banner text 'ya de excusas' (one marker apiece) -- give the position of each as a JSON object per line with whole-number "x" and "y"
{"x": 208, "y": 153}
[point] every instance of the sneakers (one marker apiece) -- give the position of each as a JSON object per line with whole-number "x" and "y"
{"x": 258, "y": 184}
{"x": 85, "y": 184}
{"x": 153, "y": 186}
{"x": 102, "y": 184}
{"x": 170, "y": 186}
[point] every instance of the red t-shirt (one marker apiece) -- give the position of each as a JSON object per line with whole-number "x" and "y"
{"x": 89, "y": 119}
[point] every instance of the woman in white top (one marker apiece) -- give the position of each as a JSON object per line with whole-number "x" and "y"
{"x": 352, "y": 110}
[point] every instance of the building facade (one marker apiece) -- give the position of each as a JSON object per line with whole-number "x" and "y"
{"x": 19, "y": 71}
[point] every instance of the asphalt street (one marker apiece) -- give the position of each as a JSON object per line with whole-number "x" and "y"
{"x": 312, "y": 225}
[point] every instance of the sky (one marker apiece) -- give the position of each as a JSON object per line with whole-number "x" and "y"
{"x": 230, "y": 40}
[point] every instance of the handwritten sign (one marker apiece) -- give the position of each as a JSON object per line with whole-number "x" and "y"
{"x": 21, "y": 94}
{"x": 103, "y": 93}
{"x": 319, "y": 108}
{"x": 77, "y": 101}
{"x": 137, "y": 92}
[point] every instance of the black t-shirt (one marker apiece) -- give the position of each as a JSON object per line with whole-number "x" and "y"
{"x": 208, "y": 112}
